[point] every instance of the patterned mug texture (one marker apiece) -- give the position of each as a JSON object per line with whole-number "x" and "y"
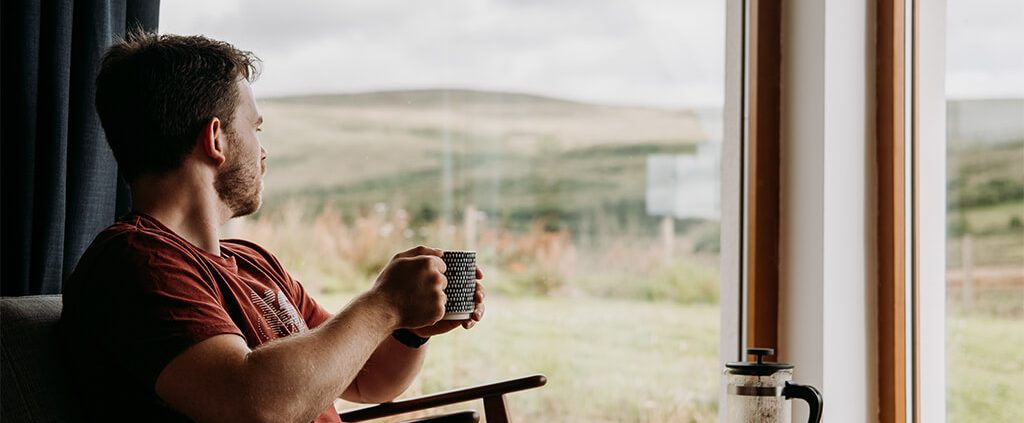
{"x": 461, "y": 288}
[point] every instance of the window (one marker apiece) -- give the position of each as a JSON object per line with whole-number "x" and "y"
{"x": 575, "y": 147}
{"x": 985, "y": 210}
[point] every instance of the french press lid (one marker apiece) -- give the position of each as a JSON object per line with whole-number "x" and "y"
{"x": 759, "y": 368}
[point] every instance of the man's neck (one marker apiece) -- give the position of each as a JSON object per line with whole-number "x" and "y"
{"x": 192, "y": 210}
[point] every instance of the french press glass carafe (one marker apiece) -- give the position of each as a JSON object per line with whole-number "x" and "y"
{"x": 761, "y": 392}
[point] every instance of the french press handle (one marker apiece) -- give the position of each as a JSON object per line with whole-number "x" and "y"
{"x": 807, "y": 393}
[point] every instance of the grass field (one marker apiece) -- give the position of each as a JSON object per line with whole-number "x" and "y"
{"x": 606, "y": 360}
{"x": 984, "y": 369}
{"x": 635, "y": 361}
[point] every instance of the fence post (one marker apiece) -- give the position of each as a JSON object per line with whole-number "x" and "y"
{"x": 668, "y": 236}
{"x": 967, "y": 263}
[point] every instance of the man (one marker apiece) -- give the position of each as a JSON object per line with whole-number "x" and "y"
{"x": 163, "y": 321}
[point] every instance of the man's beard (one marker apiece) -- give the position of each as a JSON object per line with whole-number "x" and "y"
{"x": 238, "y": 185}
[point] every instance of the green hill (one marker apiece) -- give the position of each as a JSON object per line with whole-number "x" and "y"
{"x": 525, "y": 159}
{"x": 985, "y": 180}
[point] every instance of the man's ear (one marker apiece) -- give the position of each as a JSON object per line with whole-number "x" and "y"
{"x": 210, "y": 141}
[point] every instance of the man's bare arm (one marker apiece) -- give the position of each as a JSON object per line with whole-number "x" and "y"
{"x": 387, "y": 373}
{"x": 297, "y": 377}
{"x": 393, "y": 366}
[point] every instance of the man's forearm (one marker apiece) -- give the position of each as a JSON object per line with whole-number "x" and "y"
{"x": 388, "y": 372}
{"x": 296, "y": 378}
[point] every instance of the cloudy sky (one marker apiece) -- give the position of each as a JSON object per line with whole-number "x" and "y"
{"x": 985, "y": 48}
{"x": 648, "y": 52}
{"x": 655, "y": 52}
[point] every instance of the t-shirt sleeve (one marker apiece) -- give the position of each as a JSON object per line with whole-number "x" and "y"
{"x": 160, "y": 302}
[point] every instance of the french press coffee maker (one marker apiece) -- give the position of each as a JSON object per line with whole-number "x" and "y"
{"x": 761, "y": 392}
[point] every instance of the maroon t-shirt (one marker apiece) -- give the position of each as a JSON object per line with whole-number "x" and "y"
{"x": 141, "y": 295}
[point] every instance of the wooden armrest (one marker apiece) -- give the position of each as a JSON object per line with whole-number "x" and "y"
{"x": 443, "y": 398}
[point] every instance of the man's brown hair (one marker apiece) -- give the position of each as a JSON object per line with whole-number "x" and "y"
{"x": 154, "y": 93}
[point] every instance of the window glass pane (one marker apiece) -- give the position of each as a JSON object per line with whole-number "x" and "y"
{"x": 574, "y": 145}
{"x": 985, "y": 213}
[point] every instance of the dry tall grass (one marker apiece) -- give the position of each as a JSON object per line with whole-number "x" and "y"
{"x": 331, "y": 252}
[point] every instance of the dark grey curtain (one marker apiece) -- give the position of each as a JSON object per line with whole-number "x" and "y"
{"x": 60, "y": 181}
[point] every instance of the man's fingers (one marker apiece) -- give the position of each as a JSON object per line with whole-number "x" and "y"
{"x": 478, "y": 298}
{"x": 479, "y": 273}
{"x": 478, "y": 314}
{"x": 475, "y": 317}
{"x": 421, "y": 250}
{"x": 439, "y": 264}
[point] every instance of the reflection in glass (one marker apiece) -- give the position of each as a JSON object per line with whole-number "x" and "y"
{"x": 539, "y": 135}
{"x": 985, "y": 211}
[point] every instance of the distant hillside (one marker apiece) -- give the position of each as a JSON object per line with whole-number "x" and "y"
{"x": 988, "y": 121}
{"x": 517, "y": 157}
{"x": 521, "y": 157}
{"x": 426, "y": 98}
{"x": 985, "y": 180}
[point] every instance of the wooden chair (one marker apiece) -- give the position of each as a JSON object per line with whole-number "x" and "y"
{"x": 493, "y": 395}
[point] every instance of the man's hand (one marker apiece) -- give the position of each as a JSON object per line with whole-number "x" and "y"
{"x": 411, "y": 288}
{"x": 393, "y": 366}
{"x": 447, "y": 325}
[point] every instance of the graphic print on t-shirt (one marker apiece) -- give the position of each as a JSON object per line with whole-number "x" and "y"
{"x": 278, "y": 312}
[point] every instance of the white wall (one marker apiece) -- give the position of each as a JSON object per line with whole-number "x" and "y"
{"x": 828, "y": 266}
{"x": 731, "y": 189}
{"x": 931, "y": 185}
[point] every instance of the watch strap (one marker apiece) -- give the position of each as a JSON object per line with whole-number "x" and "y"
{"x": 409, "y": 339}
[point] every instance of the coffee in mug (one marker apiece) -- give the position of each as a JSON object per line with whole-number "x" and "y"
{"x": 461, "y": 290}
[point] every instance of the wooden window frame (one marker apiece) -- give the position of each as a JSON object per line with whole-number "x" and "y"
{"x": 896, "y": 199}
{"x": 763, "y": 175}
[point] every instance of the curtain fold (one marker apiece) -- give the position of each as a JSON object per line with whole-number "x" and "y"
{"x": 60, "y": 181}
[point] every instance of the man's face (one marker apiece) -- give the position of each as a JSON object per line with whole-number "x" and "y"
{"x": 240, "y": 180}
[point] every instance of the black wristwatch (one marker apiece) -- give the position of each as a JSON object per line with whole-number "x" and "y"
{"x": 409, "y": 339}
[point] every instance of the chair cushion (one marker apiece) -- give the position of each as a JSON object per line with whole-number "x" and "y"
{"x": 35, "y": 384}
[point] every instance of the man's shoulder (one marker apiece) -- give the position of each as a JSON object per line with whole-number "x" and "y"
{"x": 128, "y": 259}
{"x": 128, "y": 238}
{"x": 126, "y": 248}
